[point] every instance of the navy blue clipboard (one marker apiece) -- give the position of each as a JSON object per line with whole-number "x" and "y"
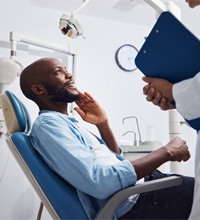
{"x": 170, "y": 52}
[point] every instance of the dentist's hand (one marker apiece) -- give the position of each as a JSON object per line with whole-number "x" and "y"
{"x": 193, "y": 3}
{"x": 159, "y": 92}
{"x": 90, "y": 110}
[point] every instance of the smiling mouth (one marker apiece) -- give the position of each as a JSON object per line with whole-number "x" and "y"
{"x": 71, "y": 85}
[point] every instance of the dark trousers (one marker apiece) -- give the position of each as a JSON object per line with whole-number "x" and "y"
{"x": 170, "y": 203}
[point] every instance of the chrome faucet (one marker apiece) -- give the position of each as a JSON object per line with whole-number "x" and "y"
{"x": 123, "y": 120}
{"x": 134, "y": 136}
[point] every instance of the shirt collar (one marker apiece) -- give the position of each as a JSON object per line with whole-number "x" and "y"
{"x": 58, "y": 113}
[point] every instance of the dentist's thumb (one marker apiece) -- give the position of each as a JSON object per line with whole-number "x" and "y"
{"x": 148, "y": 79}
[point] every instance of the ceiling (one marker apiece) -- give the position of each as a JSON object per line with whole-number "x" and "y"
{"x": 128, "y": 11}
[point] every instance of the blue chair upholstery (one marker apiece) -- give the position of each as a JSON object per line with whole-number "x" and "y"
{"x": 57, "y": 195}
{"x": 22, "y": 115}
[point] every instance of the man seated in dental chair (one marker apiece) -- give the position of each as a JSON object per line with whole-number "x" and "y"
{"x": 95, "y": 165}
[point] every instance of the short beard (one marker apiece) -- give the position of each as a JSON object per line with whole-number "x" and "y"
{"x": 60, "y": 94}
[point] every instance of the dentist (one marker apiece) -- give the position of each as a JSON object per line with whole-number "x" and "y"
{"x": 186, "y": 94}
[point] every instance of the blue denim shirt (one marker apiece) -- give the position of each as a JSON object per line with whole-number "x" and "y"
{"x": 68, "y": 151}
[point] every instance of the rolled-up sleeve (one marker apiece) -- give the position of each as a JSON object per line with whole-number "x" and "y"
{"x": 126, "y": 173}
{"x": 68, "y": 155}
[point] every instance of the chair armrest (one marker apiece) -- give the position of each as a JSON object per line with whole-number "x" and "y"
{"x": 106, "y": 212}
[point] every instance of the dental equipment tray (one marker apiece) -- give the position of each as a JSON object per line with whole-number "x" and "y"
{"x": 170, "y": 52}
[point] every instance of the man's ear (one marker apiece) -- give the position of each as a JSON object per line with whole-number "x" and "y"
{"x": 38, "y": 89}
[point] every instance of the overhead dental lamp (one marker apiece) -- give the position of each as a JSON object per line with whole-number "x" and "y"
{"x": 69, "y": 26}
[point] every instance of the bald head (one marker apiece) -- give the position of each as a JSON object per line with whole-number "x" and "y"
{"x": 48, "y": 83}
{"x": 35, "y": 73}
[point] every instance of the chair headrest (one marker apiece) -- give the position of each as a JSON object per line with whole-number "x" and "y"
{"x": 15, "y": 114}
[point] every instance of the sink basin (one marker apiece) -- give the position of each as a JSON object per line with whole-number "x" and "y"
{"x": 144, "y": 147}
{"x": 126, "y": 145}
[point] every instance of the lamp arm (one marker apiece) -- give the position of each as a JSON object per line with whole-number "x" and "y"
{"x": 160, "y": 7}
{"x": 83, "y": 4}
{"x": 157, "y": 5}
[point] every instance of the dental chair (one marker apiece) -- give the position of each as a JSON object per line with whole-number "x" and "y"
{"x": 58, "y": 196}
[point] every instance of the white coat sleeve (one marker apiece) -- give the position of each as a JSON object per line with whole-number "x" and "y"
{"x": 187, "y": 97}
